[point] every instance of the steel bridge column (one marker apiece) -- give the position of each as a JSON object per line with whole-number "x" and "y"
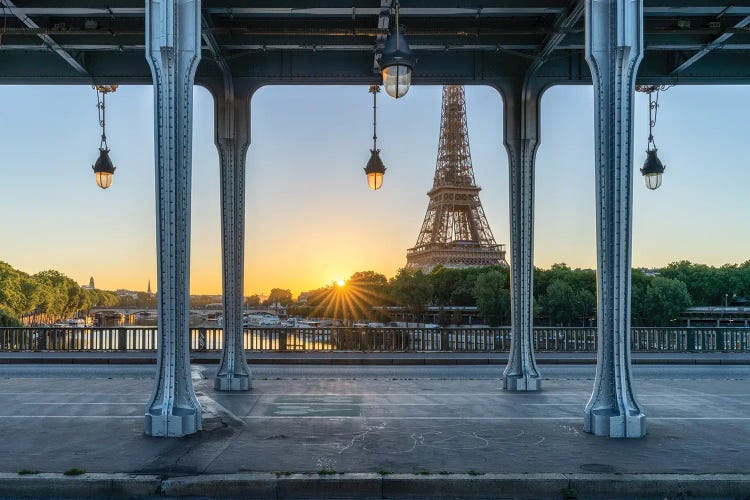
{"x": 173, "y": 50}
{"x": 614, "y": 47}
{"x": 521, "y": 138}
{"x": 232, "y": 137}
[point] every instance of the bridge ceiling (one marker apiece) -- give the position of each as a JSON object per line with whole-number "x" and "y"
{"x": 334, "y": 41}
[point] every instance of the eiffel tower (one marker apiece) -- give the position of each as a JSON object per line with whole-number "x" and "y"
{"x": 455, "y": 232}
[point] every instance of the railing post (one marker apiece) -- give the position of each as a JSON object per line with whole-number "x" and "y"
{"x": 282, "y": 340}
{"x": 122, "y": 339}
{"x": 444, "y": 340}
{"x": 42, "y": 339}
{"x": 202, "y": 340}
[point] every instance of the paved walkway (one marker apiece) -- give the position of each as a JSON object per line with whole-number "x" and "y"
{"x": 397, "y": 421}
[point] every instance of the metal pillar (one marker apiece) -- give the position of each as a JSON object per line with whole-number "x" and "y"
{"x": 173, "y": 50}
{"x": 614, "y": 47}
{"x": 232, "y": 137}
{"x": 521, "y": 138}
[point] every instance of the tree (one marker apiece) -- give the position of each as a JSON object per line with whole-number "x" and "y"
{"x": 412, "y": 289}
{"x": 367, "y": 289}
{"x": 493, "y": 297}
{"x": 7, "y": 318}
{"x": 559, "y": 303}
{"x": 252, "y": 301}
{"x": 585, "y": 305}
{"x": 280, "y": 296}
{"x": 665, "y": 299}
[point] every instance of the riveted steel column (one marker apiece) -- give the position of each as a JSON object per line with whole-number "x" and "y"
{"x": 614, "y": 46}
{"x": 521, "y": 138}
{"x": 173, "y": 51}
{"x": 232, "y": 137}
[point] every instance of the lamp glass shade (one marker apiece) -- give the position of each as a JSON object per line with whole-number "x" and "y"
{"x": 397, "y": 80}
{"x": 103, "y": 169}
{"x": 103, "y": 179}
{"x": 652, "y": 169}
{"x": 653, "y": 181}
{"x": 375, "y": 180}
{"x": 375, "y": 170}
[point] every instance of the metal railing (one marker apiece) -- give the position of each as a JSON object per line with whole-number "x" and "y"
{"x": 546, "y": 339}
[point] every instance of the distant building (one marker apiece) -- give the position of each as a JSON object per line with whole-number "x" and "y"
{"x": 121, "y": 292}
{"x": 148, "y": 291}
{"x": 729, "y": 316}
{"x": 650, "y": 271}
{"x": 90, "y": 286}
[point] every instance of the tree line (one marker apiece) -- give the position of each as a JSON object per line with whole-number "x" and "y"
{"x": 48, "y": 295}
{"x": 562, "y": 296}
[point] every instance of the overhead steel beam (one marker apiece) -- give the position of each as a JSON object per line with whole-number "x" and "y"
{"x": 384, "y": 20}
{"x": 212, "y": 45}
{"x": 563, "y": 23}
{"x": 715, "y": 44}
{"x": 48, "y": 41}
{"x": 359, "y": 47}
{"x": 291, "y": 11}
{"x": 677, "y": 10}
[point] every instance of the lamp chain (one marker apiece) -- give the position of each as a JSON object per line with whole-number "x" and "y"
{"x": 653, "y": 108}
{"x": 396, "y": 9}
{"x": 101, "y": 95}
{"x": 100, "y": 104}
{"x": 374, "y": 89}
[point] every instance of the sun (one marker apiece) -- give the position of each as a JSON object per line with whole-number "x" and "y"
{"x": 341, "y": 283}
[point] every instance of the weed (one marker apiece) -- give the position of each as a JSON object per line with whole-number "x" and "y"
{"x": 384, "y": 472}
{"x": 24, "y": 472}
{"x": 569, "y": 493}
{"x": 283, "y": 473}
{"x": 473, "y": 472}
{"x": 424, "y": 473}
{"x": 326, "y": 472}
{"x": 443, "y": 472}
{"x": 75, "y": 471}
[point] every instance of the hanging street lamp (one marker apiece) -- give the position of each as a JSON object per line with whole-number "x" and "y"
{"x": 103, "y": 168}
{"x": 396, "y": 62}
{"x": 375, "y": 168}
{"x": 653, "y": 168}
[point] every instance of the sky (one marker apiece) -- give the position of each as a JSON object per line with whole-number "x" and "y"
{"x": 310, "y": 217}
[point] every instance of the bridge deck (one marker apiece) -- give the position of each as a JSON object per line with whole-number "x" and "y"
{"x": 401, "y": 419}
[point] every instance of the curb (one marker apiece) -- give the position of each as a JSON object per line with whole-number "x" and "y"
{"x": 86, "y": 485}
{"x": 369, "y": 485}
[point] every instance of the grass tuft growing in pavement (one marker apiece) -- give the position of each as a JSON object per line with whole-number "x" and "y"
{"x": 443, "y": 472}
{"x": 424, "y": 473}
{"x": 75, "y": 471}
{"x": 326, "y": 472}
{"x": 25, "y": 472}
{"x": 384, "y": 472}
{"x": 569, "y": 493}
{"x": 473, "y": 472}
{"x": 283, "y": 473}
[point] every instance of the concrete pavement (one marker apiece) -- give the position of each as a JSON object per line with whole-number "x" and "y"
{"x": 425, "y": 422}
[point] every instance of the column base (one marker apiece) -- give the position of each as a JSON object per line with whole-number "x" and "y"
{"x": 182, "y": 422}
{"x": 235, "y": 383}
{"x": 522, "y": 383}
{"x": 607, "y": 423}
